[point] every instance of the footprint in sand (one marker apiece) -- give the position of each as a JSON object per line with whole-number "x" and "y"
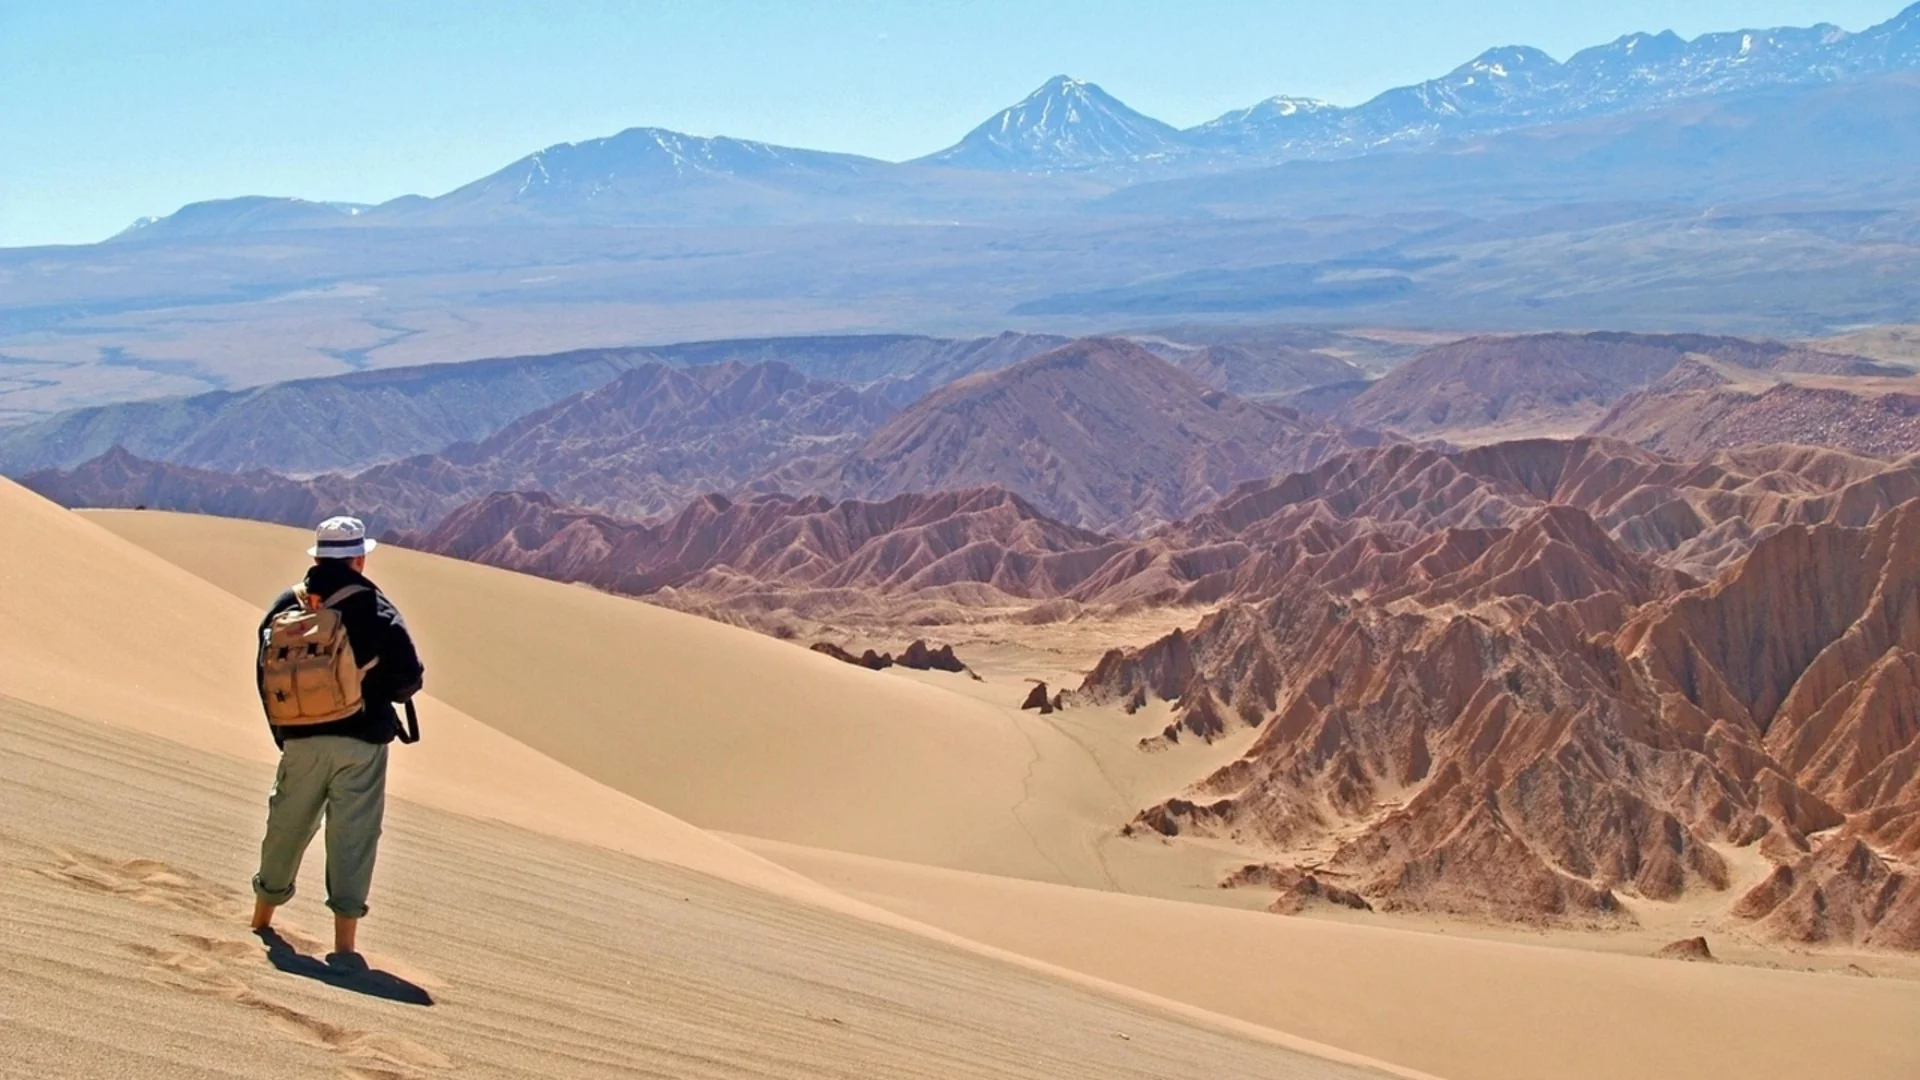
{"x": 146, "y": 881}
{"x": 228, "y": 950}
{"x": 185, "y": 971}
{"x": 204, "y": 966}
{"x": 374, "y": 1045}
{"x": 203, "y": 974}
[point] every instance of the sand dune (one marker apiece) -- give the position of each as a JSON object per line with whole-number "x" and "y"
{"x": 96, "y": 627}
{"x": 126, "y": 955}
{"x": 901, "y": 759}
{"x": 129, "y": 800}
{"x": 721, "y": 727}
{"x": 1451, "y": 1005}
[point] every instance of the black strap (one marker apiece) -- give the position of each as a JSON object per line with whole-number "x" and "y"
{"x": 409, "y": 732}
{"x": 342, "y": 593}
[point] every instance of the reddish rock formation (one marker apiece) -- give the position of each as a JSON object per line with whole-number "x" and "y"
{"x": 1694, "y": 517}
{"x": 918, "y": 656}
{"x": 1523, "y": 722}
{"x": 770, "y": 550}
{"x": 1693, "y": 949}
{"x": 1845, "y": 893}
{"x": 1039, "y": 700}
{"x": 1100, "y": 433}
{"x": 1299, "y": 889}
{"x": 1700, "y": 412}
{"x": 870, "y": 660}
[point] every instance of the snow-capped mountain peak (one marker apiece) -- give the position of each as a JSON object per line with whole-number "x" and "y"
{"x": 1067, "y": 124}
{"x": 1516, "y": 86}
{"x": 1509, "y": 61}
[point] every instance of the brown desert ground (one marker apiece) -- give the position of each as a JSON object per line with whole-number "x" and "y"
{"x": 934, "y": 798}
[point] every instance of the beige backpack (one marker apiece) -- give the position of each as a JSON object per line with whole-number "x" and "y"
{"x": 308, "y": 674}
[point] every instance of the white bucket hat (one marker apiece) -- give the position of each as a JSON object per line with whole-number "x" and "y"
{"x": 341, "y": 538}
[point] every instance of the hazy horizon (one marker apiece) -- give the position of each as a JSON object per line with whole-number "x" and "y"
{"x": 120, "y": 112}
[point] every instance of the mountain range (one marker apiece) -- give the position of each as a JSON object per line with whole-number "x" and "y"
{"x": 1110, "y": 434}
{"x": 366, "y": 418}
{"x": 1071, "y": 126}
{"x": 1100, "y": 434}
{"x": 1753, "y": 183}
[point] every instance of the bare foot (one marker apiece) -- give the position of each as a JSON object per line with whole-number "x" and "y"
{"x": 348, "y": 962}
{"x": 345, "y": 930}
{"x": 262, "y": 915}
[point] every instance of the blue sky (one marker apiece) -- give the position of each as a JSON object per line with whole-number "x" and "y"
{"x": 113, "y": 110}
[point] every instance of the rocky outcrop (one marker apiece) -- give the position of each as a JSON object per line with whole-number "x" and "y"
{"x": 872, "y": 661}
{"x": 1299, "y": 890}
{"x": 1845, "y": 893}
{"x": 1692, "y": 949}
{"x": 1691, "y": 516}
{"x": 768, "y": 552}
{"x": 918, "y": 656}
{"x": 1038, "y": 700}
{"x": 1527, "y": 722}
{"x": 1877, "y": 418}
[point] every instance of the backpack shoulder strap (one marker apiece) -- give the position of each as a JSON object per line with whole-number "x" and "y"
{"x": 342, "y": 594}
{"x": 301, "y": 596}
{"x": 350, "y": 590}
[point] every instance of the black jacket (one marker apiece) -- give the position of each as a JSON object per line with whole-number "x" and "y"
{"x": 375, "y": 629}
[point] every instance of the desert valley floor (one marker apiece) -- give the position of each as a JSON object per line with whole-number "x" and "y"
{"x": 686, "y": 849}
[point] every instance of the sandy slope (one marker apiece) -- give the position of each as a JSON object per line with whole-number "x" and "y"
{"x": 129, "y": 802}
{"x": 121, "y": 863}
{"x": 724, "y": 728}
{"x": 1451, "y": 1005}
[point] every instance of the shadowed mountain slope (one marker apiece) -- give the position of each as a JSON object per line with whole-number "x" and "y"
{"x": 348, "y": 422}
{"x": 1555, "y": 383}
{"x": 317, "y": 425}
{"x": 1100, "y": 434}
{"x": 642, "y": 445}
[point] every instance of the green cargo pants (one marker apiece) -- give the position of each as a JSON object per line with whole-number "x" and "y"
{"x": 346, "y": 779}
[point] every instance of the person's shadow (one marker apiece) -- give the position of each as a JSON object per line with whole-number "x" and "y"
{"x": 348, "y": 971}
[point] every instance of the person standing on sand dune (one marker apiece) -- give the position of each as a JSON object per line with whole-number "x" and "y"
{"x": 334, "y": 658}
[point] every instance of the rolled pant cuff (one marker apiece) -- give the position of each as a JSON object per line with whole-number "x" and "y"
{"x": 271, "y": 897}
{"x": 348, "y": 911}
